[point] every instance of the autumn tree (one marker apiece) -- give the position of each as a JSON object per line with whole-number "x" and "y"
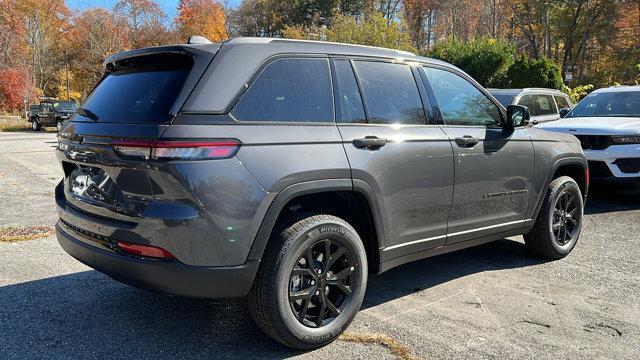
{"x": 88, "y": 45}
{"x": 201, "y": 17}
{"x": 16, "y": 88}
{"x": 144, "y": 21}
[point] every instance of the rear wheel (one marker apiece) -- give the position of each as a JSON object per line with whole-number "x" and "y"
{"x": 557, "y": 228}
{"x": 311, "y": 282}
{"x": 35, "y": 125}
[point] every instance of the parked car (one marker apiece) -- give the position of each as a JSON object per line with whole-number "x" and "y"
{"x": 543, "y": 104}
{"x": 288, "y": 171}
{"x": 607, "y": 122}
{"x": 50, "y": 112}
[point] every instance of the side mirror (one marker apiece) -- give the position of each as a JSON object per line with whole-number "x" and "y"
{"x": 563, "y": 112}
{"x": 517, "y": 115}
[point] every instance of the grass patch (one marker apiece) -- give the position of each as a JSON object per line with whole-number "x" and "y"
{"x": 11, "y": 234}
{"x": 16, "y": 124}
{"x": 400, "y": 351}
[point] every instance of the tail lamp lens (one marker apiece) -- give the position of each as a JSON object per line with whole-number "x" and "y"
{"x": 145, "y": 250}
{"x": 176, "y": 150}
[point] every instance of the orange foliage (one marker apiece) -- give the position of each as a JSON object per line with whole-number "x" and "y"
{"x": 13, "y": 88}
{"x": 201, "y": 17}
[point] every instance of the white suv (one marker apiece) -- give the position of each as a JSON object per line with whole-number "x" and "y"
{"x": 607, "y": 122}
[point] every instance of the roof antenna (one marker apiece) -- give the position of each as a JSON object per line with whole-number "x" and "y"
{"x": 197, "y": 39}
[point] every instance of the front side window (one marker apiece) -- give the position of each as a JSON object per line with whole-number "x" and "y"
{"x": 289, "y": 90}
{"x": 530, "y": 102}
{"x": 349, "y": 102}
{"x": 390, "y": 93}
{"x": 546, "y": 106}
{"x": 460, "y": 102}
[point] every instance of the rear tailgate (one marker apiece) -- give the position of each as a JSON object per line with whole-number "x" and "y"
{"x": 138, "y": 96}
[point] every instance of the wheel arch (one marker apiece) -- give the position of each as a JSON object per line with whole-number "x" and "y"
{"x": 574, "y": 167}
{"x": 323, "y": 196}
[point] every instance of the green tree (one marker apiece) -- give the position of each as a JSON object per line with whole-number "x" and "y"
{"x": 526, "y": 72}
{"x": 485, "y": 59}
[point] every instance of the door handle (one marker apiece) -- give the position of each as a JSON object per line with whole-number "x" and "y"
{"x": 369, "y": 142}
{"x": 467, "y": 141}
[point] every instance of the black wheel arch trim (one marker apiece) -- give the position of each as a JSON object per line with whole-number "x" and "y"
{"x": 572, "y": 160}
{"x": 310, "y": 187}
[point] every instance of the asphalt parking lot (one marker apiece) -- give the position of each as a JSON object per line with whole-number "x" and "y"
{"x": 492, "y": 301}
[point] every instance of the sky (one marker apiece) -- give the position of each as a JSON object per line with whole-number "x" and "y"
{"x": 168, "y": 6}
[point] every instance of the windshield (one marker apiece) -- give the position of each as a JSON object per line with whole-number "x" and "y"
{"x": 140, "y": 90}
{"x": 608, "y": 104}
{"x": 65, "y": 105}
{"x": 503, "y": 99}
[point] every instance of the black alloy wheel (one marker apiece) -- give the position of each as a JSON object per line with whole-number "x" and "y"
{"x": 320, "y": 283}
{"x": 566, "y": 218}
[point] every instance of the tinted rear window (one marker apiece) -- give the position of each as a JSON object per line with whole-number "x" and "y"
{"x": 140, "y": 90}
{"x": 390, "y": 93}
{"x": 289, "y": 90}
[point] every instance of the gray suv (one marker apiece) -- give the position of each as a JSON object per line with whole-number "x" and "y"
{"x": 289, "y": 171}
{"x": 543, "y": 104}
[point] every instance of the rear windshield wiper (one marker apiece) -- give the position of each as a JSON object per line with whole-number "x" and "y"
{"x": 88, "y": 114}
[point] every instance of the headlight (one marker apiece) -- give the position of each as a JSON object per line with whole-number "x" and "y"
{"x": 625, "y": 139}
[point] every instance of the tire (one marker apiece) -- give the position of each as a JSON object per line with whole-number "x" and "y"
{"x": 35, "y": 125}
{"x": 297, "y": 323}
{"x": 59, "y": 124}
{"x": 557, "y": 228}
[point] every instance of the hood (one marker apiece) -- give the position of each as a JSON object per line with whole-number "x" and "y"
{"x": 594, "y": 125}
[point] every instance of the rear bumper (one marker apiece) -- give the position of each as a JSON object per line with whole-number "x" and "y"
{"x": 169, "y": 277}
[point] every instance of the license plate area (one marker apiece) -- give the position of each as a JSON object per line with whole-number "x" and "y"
{"x": 94, "y": 185}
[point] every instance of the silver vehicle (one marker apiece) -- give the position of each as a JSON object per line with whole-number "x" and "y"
{"x": 543, "y": 104}
{"x": 290, "y": 171}
{"x": 607, "y": 123}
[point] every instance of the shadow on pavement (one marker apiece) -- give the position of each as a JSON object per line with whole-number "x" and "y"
{"x": 611, "y": 197}
{"x": 88, "y": 315}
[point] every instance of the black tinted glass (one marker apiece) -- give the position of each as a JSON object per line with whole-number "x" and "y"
{"x": 390, "y": 92}
{"x": 460, "y": 102}
{"x": 613, "y": 104}
{"x": 349, "y": 101}
{"x": 294, "y": 90}
{"x": 140, "y": 91}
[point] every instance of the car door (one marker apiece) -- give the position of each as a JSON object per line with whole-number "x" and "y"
{"x": 48, "y": 116}
{"x": 493, "y": 166}
{"x": 391, "y": 147}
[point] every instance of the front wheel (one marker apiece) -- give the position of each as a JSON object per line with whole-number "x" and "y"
{"x": 35, "y": 125}
{"x": 557, "y": 228}
{"x": 311, "y": 282}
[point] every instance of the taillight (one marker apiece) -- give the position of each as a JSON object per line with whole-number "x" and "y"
{"x": 176, "y": 150}
{"x": 145, "y": 250}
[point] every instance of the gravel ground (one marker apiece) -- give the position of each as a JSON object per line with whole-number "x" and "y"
{"x": 491, "y": 301}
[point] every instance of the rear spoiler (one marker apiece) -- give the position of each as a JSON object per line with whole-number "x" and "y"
{"x": 199, "y": 52}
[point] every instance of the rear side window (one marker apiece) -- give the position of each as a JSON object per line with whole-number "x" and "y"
{"x": 563, "y": 102}
{"x": 349, "y": 107}
{"x": 460, "y": 102}
{"x": 390, "y": 93}
{"x": 289, "y": 90}
{"x": 138, "y": 90}
{"x": 530, "y": 102}
{"x": 546, "y": 106}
